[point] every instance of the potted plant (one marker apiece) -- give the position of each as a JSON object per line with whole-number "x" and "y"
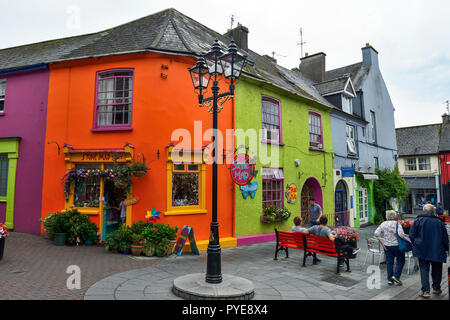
{"x": 351, "y": 237}
{"x": 3, "y": 235}
{"x": 137, "y": 241}
{"x": 406, "y": 225}
{"x": 273, "y": 214}
{"x": 149, "y": 249}
{"x": 61, "y": 228}
{"x": 139, "y": 167}
{"x": 89, "y": 233}
{"x": 162, "y": 249}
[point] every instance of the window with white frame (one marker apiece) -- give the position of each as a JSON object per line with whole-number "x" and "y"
{"x": 424, "y": 164}
{"x": 315, "y": 130}
{"x": 2, "y": 95}
{"x": 410, "y": 164}
{"x": 351, "y": 144}
{"x": 271, "y": 120}
{"x": 347, "y": 105}
{"x": 373, "y": 127}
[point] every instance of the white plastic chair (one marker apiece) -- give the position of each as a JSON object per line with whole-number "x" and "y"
{"x": 374, "y": 248}
{"x": 409, "y": 256}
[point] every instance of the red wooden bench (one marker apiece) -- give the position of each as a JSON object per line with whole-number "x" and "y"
{"x": 311, "y": 245}
{"x": 446, "y": 219}
{"x": 325, "y": 246}
{"x": 286, "y": 240}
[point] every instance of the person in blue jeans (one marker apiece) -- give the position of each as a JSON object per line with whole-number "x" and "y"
{"x": 430, "y": 243}
{"x": 388, "y": 230}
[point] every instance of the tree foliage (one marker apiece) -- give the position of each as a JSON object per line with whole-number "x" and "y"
{"x": 390, "y": 185}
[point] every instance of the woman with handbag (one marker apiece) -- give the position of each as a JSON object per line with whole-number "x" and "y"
{"x": 394, "y": 244}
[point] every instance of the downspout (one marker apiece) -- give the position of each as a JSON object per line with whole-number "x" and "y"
{"x": 233, "y": 198}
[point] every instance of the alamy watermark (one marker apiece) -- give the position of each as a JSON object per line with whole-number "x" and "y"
{"x": 256, "y": 143}
{"x": 74, "y": 17}
{"x": 74, "y": 280}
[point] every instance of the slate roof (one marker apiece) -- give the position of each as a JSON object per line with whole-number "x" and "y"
{"x": 444, "y": 143}
{"x": 168, "y": 31}
{"x": 356, "y": 71}
{"x": 332, "y": 86}
{"x": 419, "y": 140}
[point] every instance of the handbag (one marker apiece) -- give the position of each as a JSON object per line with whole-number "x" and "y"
{"x": 403, "y": 245}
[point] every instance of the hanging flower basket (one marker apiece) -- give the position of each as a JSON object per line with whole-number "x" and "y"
{"x": 120, "y": 184}
{"x": 139, "y": 173}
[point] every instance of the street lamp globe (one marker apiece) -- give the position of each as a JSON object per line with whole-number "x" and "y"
{"x": 232, "y": 62}
{"x": 200, "y": 77}
{"x": 213, "y": 59}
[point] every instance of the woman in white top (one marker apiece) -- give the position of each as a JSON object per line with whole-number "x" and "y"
{"x": 388, "y": 231}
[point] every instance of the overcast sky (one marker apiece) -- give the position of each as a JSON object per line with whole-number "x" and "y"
{"x": 412, "y": 37}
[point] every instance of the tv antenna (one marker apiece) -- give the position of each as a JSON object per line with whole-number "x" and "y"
{"x": 448, "y": 106}
{"x": 301, "y": 43}
{"x": 232, "y": 21}
{"x": 276, "y": 54}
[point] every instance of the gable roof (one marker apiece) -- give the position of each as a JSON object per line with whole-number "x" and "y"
{"x": 419, "y": 140}
{"x": 356, "y": 72}
{"x": 167, "y": 31}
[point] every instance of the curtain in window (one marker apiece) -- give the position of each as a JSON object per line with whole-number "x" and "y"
{"x": 106, "y": 102}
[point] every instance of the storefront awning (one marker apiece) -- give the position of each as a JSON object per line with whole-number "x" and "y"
{"x": 369, "y": 176}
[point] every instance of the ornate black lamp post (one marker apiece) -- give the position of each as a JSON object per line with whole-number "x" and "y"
{"x": 214, "y": 64}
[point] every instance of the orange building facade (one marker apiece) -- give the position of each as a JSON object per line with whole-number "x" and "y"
{"x": 128, "y": 106}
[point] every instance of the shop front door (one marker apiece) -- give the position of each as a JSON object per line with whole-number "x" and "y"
{"x": 363, "y": 204}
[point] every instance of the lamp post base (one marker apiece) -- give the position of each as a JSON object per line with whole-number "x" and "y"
{"x": 194, "y": 287}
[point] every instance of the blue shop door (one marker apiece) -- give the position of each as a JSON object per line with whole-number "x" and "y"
{"x": 340, "y": 206}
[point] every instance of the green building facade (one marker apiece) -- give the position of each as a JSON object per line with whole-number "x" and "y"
{"x": 308, "y": 167}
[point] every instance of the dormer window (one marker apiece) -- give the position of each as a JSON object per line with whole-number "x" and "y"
{"x": 347, "y": 104}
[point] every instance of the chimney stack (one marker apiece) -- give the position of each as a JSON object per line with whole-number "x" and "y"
{"x": 313, "y": 66}
{"x": 370, "y": 56}
{"x": 240, "y": 36}
{"x": 445, "y": 118}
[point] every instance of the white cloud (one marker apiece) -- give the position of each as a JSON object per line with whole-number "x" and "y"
{"x": 412, "y": 37}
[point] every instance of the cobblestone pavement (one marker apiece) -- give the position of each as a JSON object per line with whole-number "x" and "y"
{"x": 284, "y": 279}
{"x": 33, "y": 268}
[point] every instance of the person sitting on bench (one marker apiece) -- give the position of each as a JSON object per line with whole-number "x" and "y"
{"x": 324, "y": 231}
{"x": 297, "y": 225}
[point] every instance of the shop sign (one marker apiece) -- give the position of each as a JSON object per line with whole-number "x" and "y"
{"x": 348, "y": 172}
{"x": 292, "y": 193}
{"x": 241, "y": 170}
{"x": 186, "y": 233}
{"x": 130, "y": 201}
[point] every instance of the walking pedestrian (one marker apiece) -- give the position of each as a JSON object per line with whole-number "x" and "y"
{"x": 388, "y": 230}
{"x": 315, "y": 212}
{"x": 439, "y": 209}
{"x": 430, "y": 243}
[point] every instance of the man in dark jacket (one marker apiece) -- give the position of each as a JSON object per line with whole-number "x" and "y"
{"x": 430, "y": 243}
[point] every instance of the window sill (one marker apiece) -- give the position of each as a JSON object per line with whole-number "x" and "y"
{"x": 272, "y": 142}
{"x": 185, "y": 212}
{"x": 3, "y": 199}
{"x": 2, "y": 113}
{"x": 89, "y": 211}
{"x": 316, "y": 149}
{"x": 111, "y": 129}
